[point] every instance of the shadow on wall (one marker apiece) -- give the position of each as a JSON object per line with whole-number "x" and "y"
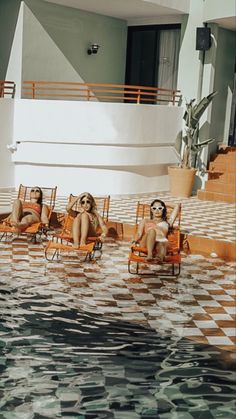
{"x": 69, "y": 31}
{"x": 148, "y": 171}
{"x": 9, "y": 11}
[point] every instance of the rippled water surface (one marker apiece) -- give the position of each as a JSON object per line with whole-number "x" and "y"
{"x": 57, "y": 361}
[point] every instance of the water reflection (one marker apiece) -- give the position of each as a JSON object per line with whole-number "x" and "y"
{"x": 57, "y": 361}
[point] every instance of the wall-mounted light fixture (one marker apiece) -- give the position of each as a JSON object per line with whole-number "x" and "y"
{"x": 12, "y": 147}
{"x": 93, "y": 49}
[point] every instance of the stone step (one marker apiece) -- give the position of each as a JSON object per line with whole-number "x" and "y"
{"x": 222, "y": 187}
{"x": 222, "y": 177}
{"x": 216, "y": 196}
{"x": 226, "y": 149}
{"x": 224, "y": 158}
{"x": 228, "y": 167}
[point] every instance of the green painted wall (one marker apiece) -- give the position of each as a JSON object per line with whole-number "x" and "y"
{"x": 8, "y": 18}
{"x": 56, "y": 39}
{"x": 223, "y": 63}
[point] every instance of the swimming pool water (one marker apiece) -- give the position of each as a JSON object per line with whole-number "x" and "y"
{"x": 58, "y": 361}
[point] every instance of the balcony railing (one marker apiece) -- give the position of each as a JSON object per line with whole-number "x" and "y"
{"x": 7, "y": 88}
{"x": 99, "y": 92}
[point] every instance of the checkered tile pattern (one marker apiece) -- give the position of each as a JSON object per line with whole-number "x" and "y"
{"x": 198, "y": 305}
{"x": 214, "y": 220}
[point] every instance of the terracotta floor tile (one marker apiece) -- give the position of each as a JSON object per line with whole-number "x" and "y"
{"x": 214, "y": 310}
{"x": 199, "y": 339}
{"x": 226, "y": 323}
{"x": 212, "y": 332}
{"x": 202, "y": 317}
{"x": 229, "y": 303}
{"x": 231, "y": 348}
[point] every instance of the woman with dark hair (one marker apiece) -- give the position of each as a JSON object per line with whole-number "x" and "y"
{"x": 25, "y": 213}
{"x": 152, "y": 233}
{"x": 87, "y": 220}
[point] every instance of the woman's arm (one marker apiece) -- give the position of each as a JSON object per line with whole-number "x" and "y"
{"x": 173, "y": 215}
{"x": 102, "y": 226}
{"x": 139, "y": 233}
{"x": 72, "y": 203}
{"x": 44, "y": 215}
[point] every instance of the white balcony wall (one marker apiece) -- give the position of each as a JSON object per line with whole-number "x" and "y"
{"x": 99, "y": 147}
{"x": 6, "y": 138}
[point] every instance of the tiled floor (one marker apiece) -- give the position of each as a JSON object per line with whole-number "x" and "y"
{"x": 214, "y": 220}
{"x": 199, "y": 304}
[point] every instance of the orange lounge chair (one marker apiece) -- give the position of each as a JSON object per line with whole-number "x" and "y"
{"x": 36, "y": 229}
{"x": 62, "y": 242}
{"x": 137, "y": 263}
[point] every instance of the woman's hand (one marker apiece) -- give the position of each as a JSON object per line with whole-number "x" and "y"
{"x": 102, "y": 237}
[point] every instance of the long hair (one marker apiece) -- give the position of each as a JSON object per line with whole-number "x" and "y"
{"x": 164, "y": 211}
{"x": 91, "y": 198}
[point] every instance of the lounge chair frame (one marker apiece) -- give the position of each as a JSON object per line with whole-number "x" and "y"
{"x": 137, "y": 255}
{"x": 36, "y": 230}
{"x": 62, "y": 242}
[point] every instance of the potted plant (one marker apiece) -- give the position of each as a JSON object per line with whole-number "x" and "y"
{"x": 188, "y": 148}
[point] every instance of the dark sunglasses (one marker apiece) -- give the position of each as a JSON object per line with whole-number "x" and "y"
{"x": 35, "y": 190}
{"x": 85, "y": 201}
{"x": 157, "y": 208}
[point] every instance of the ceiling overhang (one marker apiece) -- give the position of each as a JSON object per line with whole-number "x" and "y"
{"x": 128, "y": 9}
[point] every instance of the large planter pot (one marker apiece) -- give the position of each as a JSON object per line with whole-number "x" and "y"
{"x": 181, "y": 181}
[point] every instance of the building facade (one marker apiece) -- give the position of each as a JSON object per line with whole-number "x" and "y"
{"x": 104, "y": 146}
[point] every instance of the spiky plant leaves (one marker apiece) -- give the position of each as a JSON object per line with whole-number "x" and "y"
{"x": 199, "y": 109}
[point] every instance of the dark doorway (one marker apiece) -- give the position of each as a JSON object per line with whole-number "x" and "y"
{"x": 143, "y": 54}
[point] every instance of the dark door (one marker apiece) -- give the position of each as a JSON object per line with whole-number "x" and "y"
{"x": 143, "y": 48}
{"x": 141, "y": 57}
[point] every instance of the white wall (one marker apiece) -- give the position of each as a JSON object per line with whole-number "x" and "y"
{"x": 214, "y": 9}
{"x": 189, "y": 58}
{"x": 83, "y": 122}
{"x": 100, "y": 147}
{"x": 6, "y": 137}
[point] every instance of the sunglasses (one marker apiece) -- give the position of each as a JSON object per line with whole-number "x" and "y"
{"x": 157, "y": 208}
{"x": 35, "y": 190}
{"x": 85, "y": 201}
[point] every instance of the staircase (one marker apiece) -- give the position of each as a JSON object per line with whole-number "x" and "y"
{"x": 221, "y": 183}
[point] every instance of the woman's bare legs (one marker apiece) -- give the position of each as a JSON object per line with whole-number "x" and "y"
{"x": 76, "y": 230}
{"x": 17, "y": 218}
{"x": 149, "y": 241}
{"x": 81, "y": 229}
{"x": 17, "y": 212}
{"x": 161, "y": 250}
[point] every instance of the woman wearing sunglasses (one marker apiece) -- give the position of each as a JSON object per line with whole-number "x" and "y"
{"x": 26, "y": 213}
{"x": 87, "y": 221}
{"x": 152, "y": 232}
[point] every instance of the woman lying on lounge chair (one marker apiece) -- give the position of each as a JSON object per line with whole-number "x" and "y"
{"x": 87, "y": 221}
{"x": 26, "y": 213}
{"x": 152, "y": 233}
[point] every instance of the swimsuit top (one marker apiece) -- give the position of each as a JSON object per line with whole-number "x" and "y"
{"x": 32, "y": 205}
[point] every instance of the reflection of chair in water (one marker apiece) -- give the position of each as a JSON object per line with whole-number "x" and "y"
{"x": 37, "y": 228}
{"x": 62, "y": 242}
{"x": 138, "y": 254}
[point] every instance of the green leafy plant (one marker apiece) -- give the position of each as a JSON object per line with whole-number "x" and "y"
{"x": 188, "y": 145}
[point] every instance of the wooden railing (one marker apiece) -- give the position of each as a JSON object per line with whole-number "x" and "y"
{"x": 7, "y": 88}
{"x": 99, "y": 92}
